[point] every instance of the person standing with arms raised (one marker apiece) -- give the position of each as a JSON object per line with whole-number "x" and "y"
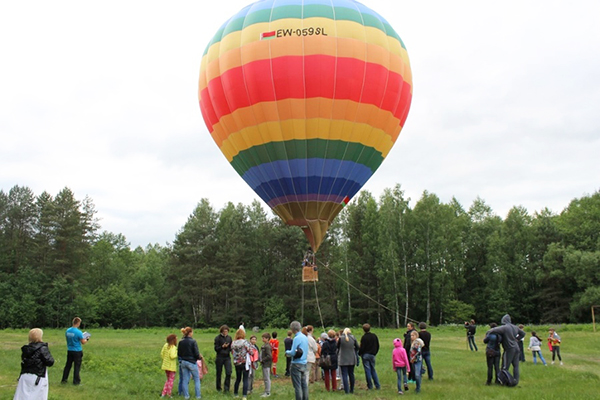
{"x": 75, "y": 340}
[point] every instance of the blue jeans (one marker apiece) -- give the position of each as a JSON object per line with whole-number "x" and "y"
{"x": 427, "y": 358}
{"x": 299, "y": 375}
{"x": 190, "y": 369}
{"x": 348, "y": 375}
{"x": 417, "y": 367}
{"x": 401, "y": 372}
{"x": 370, "y": 373}
{"x": 472, "y": 342}
{"x": 180, "y": 385}
{"x": 539, "y": 353}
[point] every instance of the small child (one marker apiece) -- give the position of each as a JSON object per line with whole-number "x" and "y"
{"x": 416, "y": 357}
{"x": 554, "y": 341}
{"x": 274, "y": 342}
{"x": 266, "y": 357}
{"x": 253, "y": 363}
{"x": 287, "y": 342}
{"x": 535, "y": 344}
{"x": 168, "y": 355}
{"x": 400, "y": 364}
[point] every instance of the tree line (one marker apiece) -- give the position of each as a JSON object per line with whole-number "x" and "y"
{"x": 382, "y": 262}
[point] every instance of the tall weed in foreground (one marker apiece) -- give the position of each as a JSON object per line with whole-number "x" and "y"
{"x": 125, "y": 364}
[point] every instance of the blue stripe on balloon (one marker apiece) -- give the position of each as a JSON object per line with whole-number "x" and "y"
{"x": 303, "y": 186}
{"x": 315, "y": 168}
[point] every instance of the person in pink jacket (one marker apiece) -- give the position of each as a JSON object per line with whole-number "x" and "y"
{"x": 400, "y": 364}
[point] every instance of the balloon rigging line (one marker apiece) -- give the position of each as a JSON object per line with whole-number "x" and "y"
{"x": 318, "y": 306}
{"x": 366, "y": 295}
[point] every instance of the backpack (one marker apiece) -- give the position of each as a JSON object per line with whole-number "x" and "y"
{"x": 506, "y": 379}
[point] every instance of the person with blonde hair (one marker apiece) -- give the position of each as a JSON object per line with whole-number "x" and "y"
{"x": 188, "y": 354}
{"x": 35, "y": 358}
{"x": 347, "y": 359}
{"x": 416, "y": 357}
{"x": 240, "y": 349}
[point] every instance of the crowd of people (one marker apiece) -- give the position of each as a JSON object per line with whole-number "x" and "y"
{"x": 330, "y": 357}
{"x": 511, "y": 338}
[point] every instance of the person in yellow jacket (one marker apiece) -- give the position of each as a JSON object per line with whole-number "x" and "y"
{"x": 168, "y": 355}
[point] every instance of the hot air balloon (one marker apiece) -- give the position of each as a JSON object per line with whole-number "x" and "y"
{"x": 305, "y": 98}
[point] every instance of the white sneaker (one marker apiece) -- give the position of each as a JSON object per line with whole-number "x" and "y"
{"x": 265, "y": 395}
{"x": 561, "y": 363}
{"x": 552, "y": 362}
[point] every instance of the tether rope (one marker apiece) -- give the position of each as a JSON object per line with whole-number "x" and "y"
{"x": 366, "y": 295}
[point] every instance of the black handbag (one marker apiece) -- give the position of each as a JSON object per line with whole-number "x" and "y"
{"x": 298, "y": 354}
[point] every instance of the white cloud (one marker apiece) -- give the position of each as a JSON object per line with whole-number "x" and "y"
{"x": 102, "y": 98}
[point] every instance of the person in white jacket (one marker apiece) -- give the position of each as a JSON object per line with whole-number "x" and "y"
{"x": 313, "y": 348}
{"x": 535, "y": 346}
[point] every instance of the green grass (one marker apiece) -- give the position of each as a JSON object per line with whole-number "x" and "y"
{"x": 125, "y": 364}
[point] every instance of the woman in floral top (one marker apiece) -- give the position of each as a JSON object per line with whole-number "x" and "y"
{"x": 241, "y": 350}
{"x": 416, "y": 359}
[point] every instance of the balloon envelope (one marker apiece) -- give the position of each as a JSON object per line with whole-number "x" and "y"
{"x": 305, "y": 98}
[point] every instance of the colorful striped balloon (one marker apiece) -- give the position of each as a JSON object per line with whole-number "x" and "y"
{"x": 305, "y": 98}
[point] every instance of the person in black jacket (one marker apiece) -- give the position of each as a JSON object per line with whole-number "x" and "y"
{"x": 471, "y": 330}
{"x": 410, "y": 328}
{"x": 368, "y": 349}
{"x": 35, "y": 358}
{"x": 223, "y": 350}
{"x": 329, "y": 350}
{"x": 492, "y": 354}
{"x": 188, "y": 354}
{"x": 425, "y": 336}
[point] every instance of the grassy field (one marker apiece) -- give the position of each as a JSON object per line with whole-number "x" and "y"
{"x": 125, "y": 364}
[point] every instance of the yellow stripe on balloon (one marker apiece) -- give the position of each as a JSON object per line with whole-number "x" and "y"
{"x": 323, "y": 108}
{"x": 305, "y": 129}
{"x": 333, "y": 29}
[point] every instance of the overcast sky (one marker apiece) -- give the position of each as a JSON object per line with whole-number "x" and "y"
{"x": 101, "y": 97}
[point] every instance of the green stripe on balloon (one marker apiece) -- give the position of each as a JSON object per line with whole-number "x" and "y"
{"x": 302, "y": 149}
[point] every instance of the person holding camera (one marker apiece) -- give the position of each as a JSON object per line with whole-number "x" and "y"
{"x": 75, "y": 340}
{"x": 222, "y": 346}
{"x": 471, "y": 330}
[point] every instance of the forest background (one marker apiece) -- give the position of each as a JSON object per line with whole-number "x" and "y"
{"x": 382, "y": 262}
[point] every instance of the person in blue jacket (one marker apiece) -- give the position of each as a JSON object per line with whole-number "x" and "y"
{"x": 298, "y": 353}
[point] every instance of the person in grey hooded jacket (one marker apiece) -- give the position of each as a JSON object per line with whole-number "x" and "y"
{"x": 511, "y": 335}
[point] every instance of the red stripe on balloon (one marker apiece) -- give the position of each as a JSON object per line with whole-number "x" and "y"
{"x": 305, "y": 77}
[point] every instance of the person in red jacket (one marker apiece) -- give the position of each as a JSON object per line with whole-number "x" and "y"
{"x": 274, "y": 342}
